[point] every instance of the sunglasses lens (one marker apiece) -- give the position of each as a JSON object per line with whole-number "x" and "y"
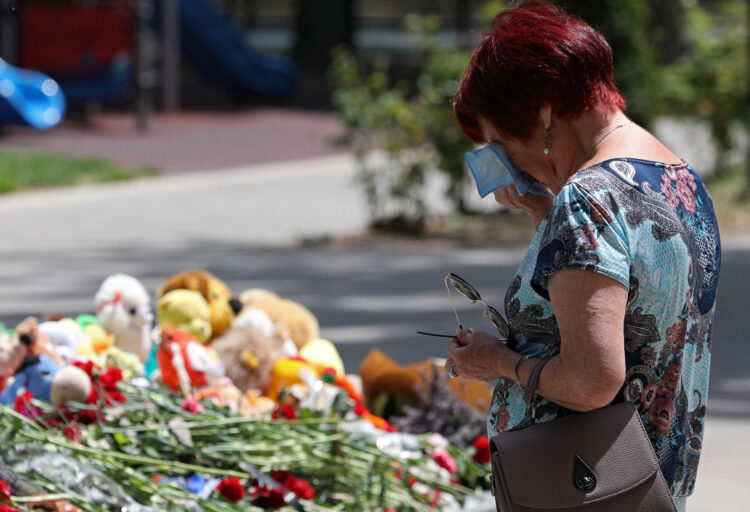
{"x": 499, "y": 321}
{"x": 464, "y": 288}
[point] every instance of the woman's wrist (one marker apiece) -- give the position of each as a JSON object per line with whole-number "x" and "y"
{"x": 507, "y": 363}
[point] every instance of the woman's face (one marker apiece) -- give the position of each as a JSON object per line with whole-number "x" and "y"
{"x": 525, "y": 155}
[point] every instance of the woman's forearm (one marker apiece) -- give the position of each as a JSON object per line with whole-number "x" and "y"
{"x": 562, "y": 384}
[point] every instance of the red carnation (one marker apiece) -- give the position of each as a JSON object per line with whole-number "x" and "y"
{"x": 5, "y": 491}
{"x": 445, "y": 460}
{"x": 191, "y": 405}
{"x": 114, "y": 396}
{"x": 269, "y": 497}
{"x": 87, "y": 417}
{"x": 86, "y": 366}
{"x": 482, "y": 446}
{"x": 231, "y": 489}
{"x": 281, "y": 476}
{"x": 93, "y": 397}
{"x": 110, "y": 378}
{"x": 301, "y": 488}
{"x": 72, "y": 432}
{"x": 22, "y": 405}
{"x": 8, "y": 508}
{"x": 285, "y": 411}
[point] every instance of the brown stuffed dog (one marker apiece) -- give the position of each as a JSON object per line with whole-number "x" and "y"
{"x": 381, "y": 375}
{"x": 300, "y": 323}
{"x": 223, "y": 306}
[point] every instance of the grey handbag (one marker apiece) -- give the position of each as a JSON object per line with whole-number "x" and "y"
{"x": 601, "y": 460}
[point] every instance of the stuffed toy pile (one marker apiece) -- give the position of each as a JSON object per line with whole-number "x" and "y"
{"x": 246, "y": 352}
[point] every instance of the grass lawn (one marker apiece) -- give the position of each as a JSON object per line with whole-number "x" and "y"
{"x": 25, "y": 169}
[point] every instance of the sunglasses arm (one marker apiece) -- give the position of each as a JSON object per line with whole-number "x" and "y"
{"x": 437, "y": 335}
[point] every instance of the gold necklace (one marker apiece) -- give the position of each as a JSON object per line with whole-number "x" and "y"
{"x": 596, "y": 144}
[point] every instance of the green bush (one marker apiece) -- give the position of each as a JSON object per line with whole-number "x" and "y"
{"x": 411, "y": 123}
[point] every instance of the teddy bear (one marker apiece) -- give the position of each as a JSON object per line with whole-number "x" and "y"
{"x": 47, "y": 381}
{"x": 222, "y": 305}
{"x": 186, "y": 310}
{"x": 185, "y": 363}
{"x": 250, "y": 349}
{"x": 123, "y": 308}
{"x": 293, "y": 316}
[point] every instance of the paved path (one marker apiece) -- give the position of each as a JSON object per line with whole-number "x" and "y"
{"x": 191, "y": 140}
{"x": 58, "y": 246}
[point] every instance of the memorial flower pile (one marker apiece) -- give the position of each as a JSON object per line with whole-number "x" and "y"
{"x": 148, "y": 448}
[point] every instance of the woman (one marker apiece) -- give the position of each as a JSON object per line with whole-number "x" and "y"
{"x": 629, "y": 239}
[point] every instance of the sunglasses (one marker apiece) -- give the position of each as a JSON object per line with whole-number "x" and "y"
{"x": 464, "y": 288}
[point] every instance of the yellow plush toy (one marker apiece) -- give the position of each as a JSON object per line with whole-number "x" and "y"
{"x": 223, "y": 307}
{"x": 300, "y": 323}
{"x": 185, "y": 310}
{"x": 323, "y": 354}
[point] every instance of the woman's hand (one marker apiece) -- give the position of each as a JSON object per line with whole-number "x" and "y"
{"x": 535, "y": 205}
{"x": 477, "y": 355}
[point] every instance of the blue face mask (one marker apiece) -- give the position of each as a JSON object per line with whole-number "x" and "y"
{"x": 492, "y": 170}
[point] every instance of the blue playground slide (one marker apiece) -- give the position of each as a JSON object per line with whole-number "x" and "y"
{"x": 104, "y": 83}
{"x": 217, "y": 47}
{"x": 29, "y": 97}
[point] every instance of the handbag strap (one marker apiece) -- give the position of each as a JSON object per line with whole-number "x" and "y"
{"x": 531, "y": 386}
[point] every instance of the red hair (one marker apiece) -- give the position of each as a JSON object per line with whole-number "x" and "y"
{"x": 533, "y": 55}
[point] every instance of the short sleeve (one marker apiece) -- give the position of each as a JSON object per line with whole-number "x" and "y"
{"x": 580, "y": 232}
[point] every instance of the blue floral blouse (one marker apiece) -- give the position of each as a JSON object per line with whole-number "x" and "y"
{"x": 651, "y": 227}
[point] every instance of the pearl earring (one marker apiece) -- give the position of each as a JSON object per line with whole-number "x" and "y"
{"x": 546, "y": 140}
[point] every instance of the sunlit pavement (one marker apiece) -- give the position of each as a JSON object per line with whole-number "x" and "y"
{"x": 241, "y": 224}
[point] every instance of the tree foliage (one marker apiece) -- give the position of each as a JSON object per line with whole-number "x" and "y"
{"x": 711, "y": 80}
{"x": 672, "y": 57}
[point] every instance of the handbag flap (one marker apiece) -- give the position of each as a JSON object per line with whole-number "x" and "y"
{"x": 550, "y": 465}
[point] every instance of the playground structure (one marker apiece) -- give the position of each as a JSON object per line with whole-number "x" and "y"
{"x": 29, "y": 97}
{"x": 114, "y": 49}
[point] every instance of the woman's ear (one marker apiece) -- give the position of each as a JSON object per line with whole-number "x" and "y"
{"x": 545, "y": 113}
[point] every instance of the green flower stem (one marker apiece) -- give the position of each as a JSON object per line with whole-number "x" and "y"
{"x": 7, "y": 410}
{"x": 288, "y": 443}
{"x": 220, "y": 422}
{"x": 134, "y": 459}
{"x": 42, "y": 497}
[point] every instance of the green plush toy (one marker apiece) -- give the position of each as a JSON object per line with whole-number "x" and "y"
{"x": 185, "y": 310}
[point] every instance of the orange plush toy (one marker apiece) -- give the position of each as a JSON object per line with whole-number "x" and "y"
{"x": 185, "y": 363}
